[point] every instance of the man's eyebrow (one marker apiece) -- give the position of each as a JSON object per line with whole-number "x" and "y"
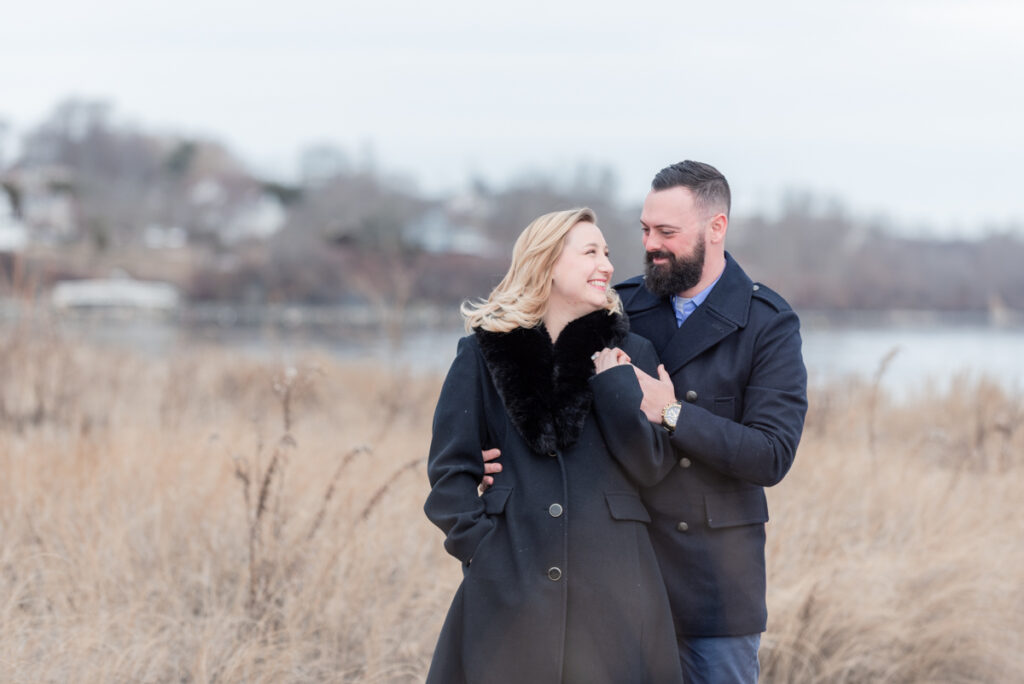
{"x": 660, "y": 225}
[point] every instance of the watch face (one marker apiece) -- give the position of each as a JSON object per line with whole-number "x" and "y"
{"x": 672, "y": 415}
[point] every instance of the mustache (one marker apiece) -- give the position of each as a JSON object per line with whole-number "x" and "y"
{"x": 659, "y": 254}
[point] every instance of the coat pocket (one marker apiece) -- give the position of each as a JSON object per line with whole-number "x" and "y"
{"x": 729, "y": 509}
{"x": 495, "y": 499}
{"x": 627, "y": 506}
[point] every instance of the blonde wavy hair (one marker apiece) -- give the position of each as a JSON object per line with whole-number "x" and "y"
{"x": 521, "y": 299}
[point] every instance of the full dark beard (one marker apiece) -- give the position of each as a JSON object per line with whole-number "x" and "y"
{"x": 679, "y": 275}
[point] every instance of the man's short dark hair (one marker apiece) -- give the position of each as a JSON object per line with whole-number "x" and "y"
{"x": 705, "y": 181}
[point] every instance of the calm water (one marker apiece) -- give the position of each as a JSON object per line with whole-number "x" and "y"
{"x": 939, "y": 350}
{"x": 942, "y": 355}
{"x": 937, "y": 354}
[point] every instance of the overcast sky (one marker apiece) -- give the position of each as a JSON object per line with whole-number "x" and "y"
{"x": 908, "y": 109}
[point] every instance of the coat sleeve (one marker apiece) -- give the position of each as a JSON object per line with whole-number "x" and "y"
{"x": 642, "y": 449}
{"x": 760, "y": 447}
{"x": 455, "y": 465}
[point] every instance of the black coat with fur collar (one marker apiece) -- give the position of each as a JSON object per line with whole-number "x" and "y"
{"x": 563, "y": 585}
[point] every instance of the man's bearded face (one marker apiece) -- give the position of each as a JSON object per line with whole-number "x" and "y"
{"x": 678, "y": 275}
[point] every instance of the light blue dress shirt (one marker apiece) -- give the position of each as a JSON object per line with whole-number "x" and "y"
{"x": 684, "y": 306}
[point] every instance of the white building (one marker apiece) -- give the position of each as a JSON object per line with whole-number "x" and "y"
{"x": 13, "y": 234}
{"x": 118, "y": 292}
{"x": 435, "y": 232}
{"x": 46, "y": 208}
{"x": 258, "y": 218}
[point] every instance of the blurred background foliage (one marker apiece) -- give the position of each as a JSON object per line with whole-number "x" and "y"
{"x": 93, "y": 196}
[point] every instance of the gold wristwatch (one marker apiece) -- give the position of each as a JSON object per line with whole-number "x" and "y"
{"x": 670, "y": 415}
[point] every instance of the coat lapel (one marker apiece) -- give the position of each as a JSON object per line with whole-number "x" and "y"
{"x": 722, "y": 313}
{"x": 702, "y": 330}
{"x": 650, "y": 316}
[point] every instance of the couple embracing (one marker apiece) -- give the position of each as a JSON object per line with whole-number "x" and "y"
{"x": 623, "y": 539}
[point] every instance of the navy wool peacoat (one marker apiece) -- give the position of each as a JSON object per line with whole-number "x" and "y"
{"x": 737, "y": 366}
{"x": 560, "y": 579}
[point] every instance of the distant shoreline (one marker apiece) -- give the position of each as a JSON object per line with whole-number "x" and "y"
{"x": 436, "y": 316}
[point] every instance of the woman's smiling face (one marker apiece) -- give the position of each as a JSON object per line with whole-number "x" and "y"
{"x": 582, "y": 274}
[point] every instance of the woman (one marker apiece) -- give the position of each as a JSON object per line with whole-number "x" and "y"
{"x": 560, "y": 580}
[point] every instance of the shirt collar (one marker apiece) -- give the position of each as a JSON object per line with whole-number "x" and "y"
{"x": 684, "y": 306}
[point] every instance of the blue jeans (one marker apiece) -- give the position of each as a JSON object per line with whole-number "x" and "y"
{"x": 720, "y": 660}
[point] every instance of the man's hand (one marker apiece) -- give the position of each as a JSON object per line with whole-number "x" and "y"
{"x": 658, "y": 393}
{"x": 489, "y": 468}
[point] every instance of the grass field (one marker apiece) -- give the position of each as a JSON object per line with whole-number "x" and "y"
{"x": 212, "y": 518}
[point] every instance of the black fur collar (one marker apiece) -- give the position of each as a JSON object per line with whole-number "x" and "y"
{"x": 545, "y": 386}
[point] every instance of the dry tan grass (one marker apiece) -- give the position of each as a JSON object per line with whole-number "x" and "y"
{"x": 129, "y": 551}
{"x": 899, "y": 557}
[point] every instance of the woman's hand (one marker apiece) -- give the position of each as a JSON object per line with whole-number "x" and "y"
{"x": 489, "y": 468}
{"x": 609, "y": 358}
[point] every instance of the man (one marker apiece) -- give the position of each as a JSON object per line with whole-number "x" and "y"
{"x": 732, "y": 391}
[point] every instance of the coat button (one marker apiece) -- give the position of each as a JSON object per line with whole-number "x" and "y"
{"x": 552, "y": 453}
{"x": 684, "y": 462}
{"x": 682, "y": 527}
{"x": 554, "y": 574}
{"x": 555, "y": 510}
{"x": 691, "y": 396}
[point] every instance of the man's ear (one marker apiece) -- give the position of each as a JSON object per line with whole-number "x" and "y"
{"x": 718, "y": 227}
